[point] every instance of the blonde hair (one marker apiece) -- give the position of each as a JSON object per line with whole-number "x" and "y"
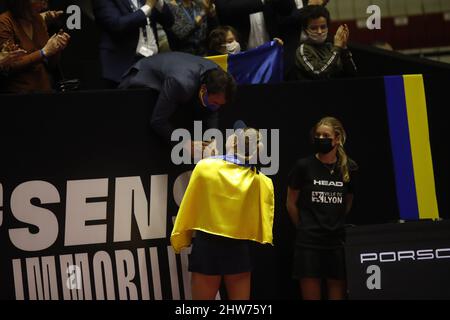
{"x": 245, "y": 143}
{"x": 339, "y": 131}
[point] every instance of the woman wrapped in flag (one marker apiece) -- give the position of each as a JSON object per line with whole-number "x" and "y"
{"x": 227, "y": 205}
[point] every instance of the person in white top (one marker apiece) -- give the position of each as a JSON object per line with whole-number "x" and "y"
{"x": 129, "y": 33}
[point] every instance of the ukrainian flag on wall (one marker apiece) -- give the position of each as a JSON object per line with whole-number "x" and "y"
{"x": 410, "y": 143}
{"x": 263, "y": 64}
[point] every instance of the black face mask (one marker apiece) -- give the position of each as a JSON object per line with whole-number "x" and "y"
{"x": 323, "y": 146}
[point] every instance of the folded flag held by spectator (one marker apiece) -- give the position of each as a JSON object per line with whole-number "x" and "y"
{"x": 263, "y": 64}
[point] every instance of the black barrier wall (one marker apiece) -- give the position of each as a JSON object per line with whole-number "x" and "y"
{"x": 80, "y": 163}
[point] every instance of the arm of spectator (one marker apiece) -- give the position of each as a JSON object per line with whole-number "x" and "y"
{"x": 7, "y": 36}
{"x": 163, "y": 15}
{"x": 62, "y": 41}
{"x": 209, "y": 7}
{"x": 9, "y": 51}
{"x": 313, "y": 65}
{"x": 279, "y": 41}
{"x": 109, "y": 17}
{"x": 170, "y": 96}
{"x": 182, "y": 26}
{"x": 6, "y": 58}
{"x": 49, "y": 53}
{"x": 348, "y": 63}
{"x": 26, "y": 60}
{"x": 51, "y": 16}
{"x": 231, "y": 8}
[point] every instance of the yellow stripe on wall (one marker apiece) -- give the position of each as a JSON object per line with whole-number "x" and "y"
{"x": 221, "y": 60}
{"x": 420, "y": 146}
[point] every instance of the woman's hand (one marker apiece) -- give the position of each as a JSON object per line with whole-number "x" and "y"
{"x": 280, "y": 42}
{"x": 63, "y": 39}
{"x": 10, "y": 52}
{"x": 346, "y": 35}
{"x": 340, "y": 37}
{"x": 56, "y": 43}
{"x": 7, "y": 57}
{"x": 50, "y": 16}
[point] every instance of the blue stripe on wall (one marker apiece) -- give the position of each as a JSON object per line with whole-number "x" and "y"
{"x": 401, "y": 147}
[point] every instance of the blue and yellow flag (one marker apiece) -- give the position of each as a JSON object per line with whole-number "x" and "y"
{"x": 410, "y": 143}
{"x": 263, "y": 64}
{"x": 225, "y": 199}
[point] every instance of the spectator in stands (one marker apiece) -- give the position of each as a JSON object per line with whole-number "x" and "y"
{"x": 129, "y": 32}
{"x": 298, "y": 15}
{"x": 184, "y": 82}
{"x": 22, "y": 25}
{"x": 290, "y": 31}
{"x": 223, "y": 40}
{"x": 318, "y": 58}
{"x": 255, "y": 20}
{"x": 318, "y": 211}
{"x": 192, "y": 23}
{"x": 224, "y": 199}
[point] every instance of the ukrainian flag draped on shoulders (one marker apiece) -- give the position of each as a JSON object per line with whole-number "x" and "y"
{"x": 225, "y": 199}
{"x": 263, "y": 64}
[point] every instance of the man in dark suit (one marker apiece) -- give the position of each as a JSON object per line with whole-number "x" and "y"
{"x": 128, "y": 33}
{"x": 185, "y": 82}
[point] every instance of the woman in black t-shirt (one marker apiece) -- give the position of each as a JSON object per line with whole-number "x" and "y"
{"x": 320, "y": 194}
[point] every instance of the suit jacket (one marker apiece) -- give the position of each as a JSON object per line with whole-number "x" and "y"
{"x": 177, "y": 77}
{"x": 236, "y": 13}
{"x": 120, "y": 33}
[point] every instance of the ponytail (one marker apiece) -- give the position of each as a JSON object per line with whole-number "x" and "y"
{"x": 343, "y": 163}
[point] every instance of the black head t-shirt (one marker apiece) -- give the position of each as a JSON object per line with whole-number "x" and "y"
{"x": 321, "y": 202}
